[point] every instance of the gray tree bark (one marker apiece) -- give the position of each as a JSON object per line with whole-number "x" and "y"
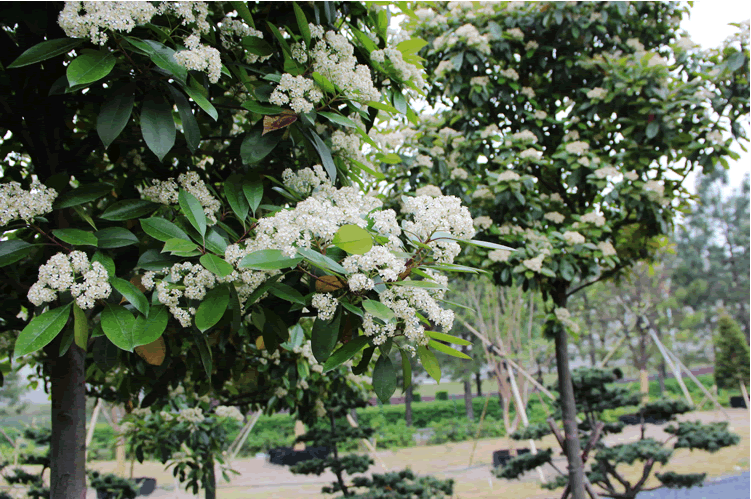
{"x": 468, "y": 400}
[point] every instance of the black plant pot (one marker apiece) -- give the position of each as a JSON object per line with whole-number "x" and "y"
{"x": 286, "y": 456}
{"x": 635, "y": 418}
{"x": 738, "y": 403}
{"x": 147, "y": 485}
{"x": 501, "y": 457}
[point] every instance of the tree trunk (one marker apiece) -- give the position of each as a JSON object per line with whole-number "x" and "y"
{"x": 408, "y": 406}
{"x": 661, "y": 377}
{"x": 210, "y": 492}
{"x": 478, "y": 381}
{"x": 468, "y": 400}
{"x": 592, "y": 349}
{"x": 568, "y": 408}
{"x": 68, "y": 446}
{"x": 644, "y": 384}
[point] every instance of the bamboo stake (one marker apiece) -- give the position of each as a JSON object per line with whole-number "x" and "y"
{"x": 367, "y": 443}
{"x": 248, "y": 427}
{"x": 479, "y": 428}
{"x": 701, "y": 387}
{"x": 744, "y": 392}
{"x": 673, "y": 367}
{"x": 522, "y": 410}
{"x": 92, "y": 425}
{"x": 611, "y": 352}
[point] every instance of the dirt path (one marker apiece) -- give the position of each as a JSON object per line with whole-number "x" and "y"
{"x": 259, "y": 479}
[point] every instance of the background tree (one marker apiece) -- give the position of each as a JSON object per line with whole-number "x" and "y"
{"x": 731, "y": 354}
{"x": 570, "y": 127}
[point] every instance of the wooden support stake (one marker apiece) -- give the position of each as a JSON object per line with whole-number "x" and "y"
{"x": 92, "y": 426}
{"x": 522, "y": 411}
{"x": 611, "y": 352}
{"x": 698, "y": 383}
{"x": 673, "y": 367}
{"x": 367, "y": 443}
{"x": 745, "y": 393}
{"x": 479, "y": 428}
{"x": 248, "y": 427}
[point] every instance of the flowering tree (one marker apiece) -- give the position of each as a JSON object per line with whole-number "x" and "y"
{"x": 164, "y": 258}
{"x": 570, "y": 127}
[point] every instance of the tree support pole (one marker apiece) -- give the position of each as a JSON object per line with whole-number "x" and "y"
{"x": 673, "y": 367}
{"x": 522, "y": 409}
{"x": 92, "y": 426}
{"x": 744, "y": 392}
{"x": 701, "y": 387}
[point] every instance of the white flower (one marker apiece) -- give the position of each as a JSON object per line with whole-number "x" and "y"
{"x": 360, "y": 282}
{"x": 15, "y": 202}
{"x": 499, "y": 255}
{"x": 191, "y": 415}
{"x": 515, "y": 33}
{"x": 631, "y": 175}
{"x": 229, "y": 412}
{"x": 530, "y": 154}
{"x": 573, "y": 237}
{"x": 564, "y": 316}
{"x": 594, "y": 218}
{"x": 534, "y": 264}
{"x": 483, "y": 222}
{"x": 479, "y": 81}
{"x": 607, "y": 248}
{"x": 531, "y": 45}
{"x": 606, "y": 171}
{"x": 715, "y": 136}
{"x": 597, "y": 93}
{"x": 554, "y": 217}
{"x": 280, "y": 392}
{"x": 167, "y": 192}
{"x": 528, "y": 92}
{"x": 428, "y": 190}
{"x": 326, "y": 305}
{"x": 459, "y": 174}
{"x": 200, "y": 57}
{"x": 577, "y": 147}
{"x": 509, "y": 74}
{"x": 59, "y": 274}
{"x": 655, "y": 186}
{"x": 524, "y": 136}
{"x": 541, "y": 115}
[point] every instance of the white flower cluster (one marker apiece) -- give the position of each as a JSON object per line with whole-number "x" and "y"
{"x": 480, "y": 81}
{"x": 573, "y": 237}
{"x": 299, "y": 92}
{"x": 459, "y": 174}
{"x": 195, "y": 279}
{"x": 593, "y": 218}
{"x": 515, "y": 33}
{"x": 102, "y": 16}
{"x": 166, "y": 192}
{"x": 631, "y": 175}
{"x": 530, "y": 154}
{"x": 655, "y": 186}
{"x": 429, "y": 190}
{"x": 378, "y": 258}
{"x": 597, "y": 93}
{"x": 606, "y": 171}
{"x": 326, "y": 305}
{"x": 230, "y": 30}
{"x": 554, "y": 217}
{"x": 510, "y": 74}
{"x": 360, "y": 282}
{"x": 483, "y": 222}
{"x": 406, "y": 71}
{"x": 59, "y": 274}
{"x": 715, "y": 136}
{"x": 564, "y": 317}
{"x": 577, "y": 147}
{"x": 540, "y": 115}
{"x": 444, "y": 213}
{"x": 232, "y": 412}
{"x": 524, "y": 136}
{"x": 511, "y": 176}
{"x": 607, "y": 248}
{"x": 531, "y": 45}
{"x": 304, "y": 180}
{"x": 534, "y": 264}
{"x": 442, "y": 67}
{"x": 528, "y": 92}
{"x": 192, "y": 416}
{"x": 499, "y": 255}
{"x": 200, "y": 57}
{"x": 15, "y": 202}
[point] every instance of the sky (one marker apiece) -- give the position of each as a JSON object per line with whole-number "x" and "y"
{"x": 707, "y": 26}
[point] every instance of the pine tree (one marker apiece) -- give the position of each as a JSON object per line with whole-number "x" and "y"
{"x": 731, "y": 354}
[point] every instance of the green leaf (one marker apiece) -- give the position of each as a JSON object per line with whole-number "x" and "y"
{"x": 448, "y": 350}
{"x": 40, "y": 331}
{"x": 66, "y": 340}
{"x": 212, "y": 307}
{"x": 80, "y": 327}
{"x": 280, "y": 39}
{"x": 400, "y": 102}
{"x": 345, "y": 353}
{"x": 353, "y": 239}
{"x": 83, "y": 194}
{"x": 256, "y": 146}
{"x": 131, "y": 293}
{"x": 257, "y": 46}
{"x": 115, "y": 237}
{"x": 242, "y": 9}
{"x": 652, "y": 129}
{"x": 164, "y": 57}
{"x": 324, "y": 83}
{"x": 384, "y": 379}
{"x": 411, "y": 46}
{"x": 321, "y": 261}
{"x": 153, "y": 260}
{"x": 13, "y": 251}
{"x": 302, "y": 23}
{"x": 736, "y": 60}
{"x": 45, "y": 50}
{"x": 406, "y": 371}
{"x": 128, "y": 209}
{"x": 205, "y": 352}
{"x": 150, "y": 328}
{"x": 90, "y": 67}
{"x": 382, "y": 107}
{"x": 115, "y": 114}
{"x": 105, "y": 354}
{"x": 264, "y": 109}
{"x": 84, "y": 216}
{"x": 119, "y": 326}
{"x": 362, "y": 366}
{"x": 324, "y": 336}
{"x": 325, "y": 153}
{"x": 418, "y": 284}
{"x": 157, "y": 125}
{"x": 254, "y": 194}
{"x": 107, "y": 262}
{"x": 191, "y": 131}
{"x": 391, "y": 159}
{"x": 338, "y": 119}
{"x": 193, "y": 211}
{"x": 378, "y": 309}
{"x": 355, "y": 310}
{"x": 76, "y": 237}
{"x": 447, "y": 338}
{"x": 269, "y": 259}
{"x": 202, "y": 102}
{"x": 429, "y": 363}
{"x": 236, "y": 198}
{"x": 215, "y": 242}
{"x": 179, "y": 246}
{"x": 216, "y": 265}
{"x": 286, "y": 293}
{"x": 483, "y": 244}
{"x": 162, "y": 230}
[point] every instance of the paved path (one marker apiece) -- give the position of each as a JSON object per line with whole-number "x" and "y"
{"x": 730, "y": 487}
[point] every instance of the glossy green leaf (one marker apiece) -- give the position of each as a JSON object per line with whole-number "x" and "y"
{"x": 378, "y": 309}
{"x": 242, "y": 9}
{"x": 324, "y": 336}
{"x": 80, "y": 327}
{"x": 150, "y": 328}
{"x": 384, "y": 379}
{"x": 105, "y": 354}
{"x": 321, "y": 261}
{"x": 353, "y": 239}
{"x": 253, "y": 193}
{"x": 338, "y": 119}
{"x": 216, "y": 265}
{"x": 233, "y": 190}
{"x": 179, "y": 246}
{"x": 118, "y": 325}
{"x": 164, "y": 57}
{"x": 302, "y": 23}
{"x": 41, "y": 330}
{"x": 90, "y": 67}
{"x": 440, "y": 347}
{"x": 76, "y": 237}
{"x": 83, "y": 194}
{"x": 269, "y": 259}
{"x": 212, "y": 307}
{"x": 115, "y": 237}
{"x": 447, "y": 338}
{"x": 193, "y": 211}
{"x": 157, "y": 126}
{"x": 128, "y": 209}
{"x": 256, "y": 146}
{"x": 264, "y": 109}
{"x": 45, "y": 50}
{"x": 191, "y": 131}
{"x": 429, "y": 363}
{"x": 205, "y": 352}
{"x": 115, "y": 114}
{"x": 215, "y": 242}
{"x": 484, "y": 244}
{"x": 131, "y": 293}
{"x": 391, "y": 159}
{"x": 202, "y": 101}
{"x": 84, "y": 216}
{"x": 66, "y": 340}
{"x": 106, "y": 261}
{"x": 652, "y": 129}
{"x": 362, "y": 366}
{"x": 162, "y": 229}
{"x": 418, "y": 284}
{"x": 287, "y": 293}
{"x": 154, "y": 260}
{"x": 13, "y": 251}
{"x": 324, "y": 83}
{"x": 345, "y": 353}
{"x": 411, "y": 46}
{"x": 383, "y": 107}
{"x": 257, "y": 46}
{"x": 325, "y": 153}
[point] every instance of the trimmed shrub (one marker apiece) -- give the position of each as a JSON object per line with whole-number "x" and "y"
{"x": 442, "y": 395}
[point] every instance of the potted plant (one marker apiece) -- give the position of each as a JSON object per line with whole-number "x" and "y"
{"x": 111, "y": 486}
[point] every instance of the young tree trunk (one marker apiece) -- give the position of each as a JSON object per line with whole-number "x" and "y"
{"x": 68, "y": 446}
{"x": 592, "y": 349}
{"x": 210, "y": 492}
{"x": 478, "y": 381}
{"x": 661, "y": 374}
{"x": 408, "y": 405}
{"x": 644, "y": 384}
{"x": 468, "y": 400}
{"x": 568, "y": 408}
